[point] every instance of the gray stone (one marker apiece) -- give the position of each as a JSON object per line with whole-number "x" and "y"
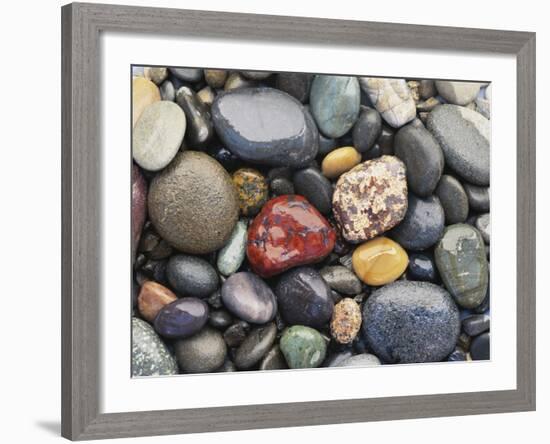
{"x": 273, "y": 360}
{"x": 191, "y": 276}
{"x": 361, "y": 360}
{"x": 199, "y": 124}
{"x": 167, "y": 91}
{"x": 255, "y": 346}
{"x": 150, "y": 356}
{"x": 296, "y": 84}
{"x": 256, "y": 75}
{"x": 476, "y": 324}
{"x": 483, "y": 224}
{"x": 457, "y": 93}
{"x": 315, "y": 187}
{"x": 367, "y": 129}
{"x": 231, "y": 256}
{"x": 187, "y": 74}
{"x": 201, "y": 353}
{"x": 453, "y": 199}
{"x": 341, "y": 279}
{"x": 478, "y": 197}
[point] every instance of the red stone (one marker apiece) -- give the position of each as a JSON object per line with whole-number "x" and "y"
{"x": 288, "y": 232}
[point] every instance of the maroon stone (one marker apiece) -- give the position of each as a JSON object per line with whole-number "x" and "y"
{"x": 139, "y": 205}
{"x": 288, "y": 232}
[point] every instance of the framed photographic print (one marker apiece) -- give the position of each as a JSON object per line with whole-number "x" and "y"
{"x": 278, "y": 221}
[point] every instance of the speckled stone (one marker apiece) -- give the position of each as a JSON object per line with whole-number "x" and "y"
{"x": 339, "y": 161}
{"x": 215, "y": 77}
{"x": 335, "y": 103}
{"x": 303, "y": 347}
{"x": 201, "y": 353}
{"x": 231, "y": 256}
{"x": 370, "y": 198}
{"x": 480, "y": 349}
{"x": 191, "y": 276}
{"x": 187, "y": 74}
{"x": 346, "y": 321}
{"x": 296, "y": 84}
{"x": 407, "y": 322}
{"x": 462, "y": 263}
{"x": 483, "y": 224}
{"x": 150, "y": 356}
{"x": 200, "y": 129}
{"x": 252, "y": 190}
{"x": 458, "y": 93}
{"x": 392, "y": 98}
{"x": 478, "y": 197}
{"x": 367, "y": 129}
{"x": 152, "y": 297}
{"x": 181, "y": 318}
{"x": 193, "y": 203}
{"x": 315, "y": 187}
{"x": 341, "y": 279}
{"x": 258, "y": 342}
{"x": 273, "y": 360}
{"x": 144, "y": 93}
{"x": 139, "y": 206}
{"x": 361, "y": 360}
{"x": 453, "y": 199}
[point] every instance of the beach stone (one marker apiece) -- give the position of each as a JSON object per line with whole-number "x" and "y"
{"x": 341, "y": 279}
{"x": 315, "y": 187}
{"x": 476, "y": 324}
{"x": 187, "y": 74}
{"x": 182, "y": 318}
{"x": 421, "y": 268}
{"x": 273, "y": 360}
{"x": 295, "y": 83}
{"x": 361, "y": 360}
{"x": 256, "y": 75}
{"x": 379, "y": 261}
{"x": 483, "y": 224}
{"x": 258, "y": 342}
{"x": 462, "y": 263}
{"x": 139, "y": 206}
{"x": 167, "y": 91}
{"x": 206, "y": 96}
{"x": 480, "y": 349}
{"x": 152, "y": 297}
{"x": 339, "y": 161}
{"x": 392, "y": 98}
{"x": 427, "y": 89}
{"x": 231, "y": 256}
{"x": 193, "y": 203}
{"x": 289, "y": 138}
{"x": 215, "y": 78}
{"x": 423, "y": 224}
{"x": 464, "y": 136}
{"x": 422, "y": 156}
{"x": 458, "y": 354}
{"x": 144, "y": 93}
{"x": 236, "y": 333}
{"x": 220, "y": 319}
{"x": 199, "y": 123}
{"x": 335, "y": 102}
{"x": 458, "y": 93}
{"x": 370, "y": 198}
{"x": 478, "y": 197}
{"x": 150, "y": 356}
{"x": 453, "y": 199}
{"x": 346, "y": 321}
{"x": 157, "y": 135}
{"x": 367, "y": 129}
{"x": 252, "y": 190}
{"x": 191, "y": 276}
{"x": 335, "y": 359}
{"x": 303, "y": 347}
{"x": 201, "y": 353}
{"x": 326, "y": 145}
{"x": 407, "y": 322}
{"x": 280, "y": 186}
{"x": 225, "y": 157}
{"x": 249, "y": 298}
{"x": 236, "y": 81}
{"x": 288, "y": 232}
{"x": 156, "y": 74}
{"x": 304, "y": 297}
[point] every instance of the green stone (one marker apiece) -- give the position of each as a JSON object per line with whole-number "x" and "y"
{"x": 462, "y": 263}
{"x": 231, "y": 256}
{"x": 150, "y": 356}
{"x": 303, "y": 347}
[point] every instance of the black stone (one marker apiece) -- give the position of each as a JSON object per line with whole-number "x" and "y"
{"x": 255, "y": 346}
{"x": 421, "y": 268}
{"x": 199, "y": 129}
{"x": 480, "y": 349}
{"x": 326, "y": 145}
{"x": 341, "y": 279}
{"x": 295, "y": 84}
{"x": 457, "y": 355}
{"x": 191, "y": 276}
{"x": 229, "y": 161}
{"x": 478, "y": 197}
{"x": 367, "y": 129}
{"x": 220, "y": 319}
{"x": 476, "y": 324}
{"x": 453, "y": 199}
{"x": 281, "y": 186}
{"x": 386, "y": 140}
{"x": 315, "y": 187}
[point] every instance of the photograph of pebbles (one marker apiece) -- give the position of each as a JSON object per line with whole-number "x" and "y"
{"x": 294, "y": 221}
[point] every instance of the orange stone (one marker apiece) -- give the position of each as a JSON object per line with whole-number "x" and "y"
{"x": 379, "y": 261}
{"x": 152, "y": 297}
{"x": 339, "y": 161}
{"x": 144, "y": 92}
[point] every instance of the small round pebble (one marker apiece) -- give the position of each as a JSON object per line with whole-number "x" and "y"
{"x": 478, "y": 197}
{"x": 421, "y": 268}
{"x": 191, "y": 276}
{"x": 453, "y": 199}
{"x": 315, "y": 187}
{"x": 252, "y": 190}
{"x": 346, "y": 321}
{"x": 181, "y": 318}
{"x": 341, "y": 279}
{"x": 339, "y": 161}
{"x": 379, "y": 261}
{"x": 201, "y": 353}
{"x": 367, "y": 129}
{"x": 361, "y": 360}
{"x": 231, "y": 256}
{"x": 303, "y": 347}
{"x": 480, "y": 348}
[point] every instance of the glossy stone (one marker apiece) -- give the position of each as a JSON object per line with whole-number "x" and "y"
{"x": 181, "y": 318}
{"x": 191, "y": 276}
{"x": 199, "y": 123}
{"x": 265, "y": 126}
{"x": 215, "y": 77}
{"x": 231, "y": 256}
{"x": 346, "y": 321}
{"x": 225, "y": 157}
{"x": 407, "y": 322}
{"x": 220, "y": 319}
{"x": 150, "y": 356}
{"x": 303, "y": 347}
{"x": 315, "y": 187}
{"x": 370, "y": 198}
{"x": 476, "y": 324}
{"x": 367, "y": 129}
{"x": 339, "y": 161}
{"x": 335, "y": 102}
{"x": 187, "y": 74}
{"x": 273, "y": 360}
{"x": 478, "y": 197}
{"x": 139, "y": 206}
{"x": 480, "y": 349}
{"x": 453, "y": 199}
{"x": 252, "y": 190}
{"x": 255, "y": 346}
{"x": 341, "y": 279}
{"x": 462, "y": 263}
{"x": 288, "y": 232}
{"x": 296, "y": 84}
{"x": 249, "y": 298}
{"x": 423, "y": 224}
{"x": 152, "y": 297}
{"x": 201, "y": 353}
{"x": 483, "y": 224}
{"x": 304, "y": 297}
{"x": 422, "y": 156}
{"x": 193, "y": 203}
{"x": 421, "y": 268}
{"x": 457, "y": 93}
{"x": 361, "y": 360}
{"x": 144, "y": 93}
{"x": 379, "y": 261}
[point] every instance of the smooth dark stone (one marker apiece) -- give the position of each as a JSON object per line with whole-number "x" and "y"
{"x": 255, "y": 346}
{"x": 181, "y": 318}
{"x": 361, "y": 360}
{"x": 280, "y": 186}
{"x": 476, "y": 324}
{"x": 453, "y": 199}
{"x": 249, "y": 298}
{"x": 201, "y": 353}
{"x": 187, "y": 74}
{"x": 422, "y": 156}
{"x": 341, "y": 279}
{"x": 423, "y": 224}
{"x": 139, "y": 205}
{"x": 150, "y": 356}
{"x": 326, "y": 145}
{"x": 199, "y": 129}
{"x": 367, "y": 129}
{"x": 236, "y": 334}
{"x": 191, "y": 276}
{"x": 296, "y": 84}
{"x": 315, "y": 187}
{"x": 483, "y": 224}
{"x": 304, "y": 297}
{"x": 386, "y": 140}
{"x": 457, "y": 355}
{"x": 229, "y": 161}
{"x": 406, "y": 322}
{"x": 478, "y": 197}
{"x": 265, "y": 126}
{"x": 335, "y": 359}
{"x": 215, "y": 299}
{"x": 220, "y": 319}
{"x": 480, "y": 348}
{"x": 273, "y": 360}
{"x": 421, "y": 268}
{"x": 486, "y": 304}
{"x": 167, "y": 91}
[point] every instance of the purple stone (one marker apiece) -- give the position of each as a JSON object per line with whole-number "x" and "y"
{"x": 181, "y": 318}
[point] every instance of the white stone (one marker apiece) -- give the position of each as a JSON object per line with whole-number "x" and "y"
{"x": 458, "y": 93}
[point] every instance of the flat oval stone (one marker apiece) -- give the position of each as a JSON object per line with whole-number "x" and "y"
{"x": 367, "y": 129}
{"x": 361, "y": 360}
{"x": 193, "y": 203}
{"x": 199, "y": 123}
{"x": 478, "y": 197}
{"x": 139, "y": 206}
{"x": 231, "y": 256}
{"x": 295, "y": 83}
{"x": 370, "y": 198}
{"x": 423, "y": 224}
{"x": 201, "y": 353}
{"x": 335, "y": 102}
{"x": 273, "y": 360}
{"x": 191, "y": 276}
{"x": 252, "y": 189}
{"x": 315, "y": 187}
{"x": 453, "y": 199}
{"x": 255, "y": 346}
{"x": 346, "y": 321}
{"x": 421, "y": 268}
{"x": 462, "y": 263}
{"x": 341, "y": 279}
{"x": 265, "y": 126}
{"x": 480, "y": 349}
{"x": 339, "y": 161}
{"x": 303, "y": 347}
{"x": 144, "y": 93}
{"x": 288, "y": 232}
{"x": 379, "y": 261}
{"x": 187, "y": 74}
{"x": 152, "y": 297}
{"x": 248, "y": 297}
{"x": 304, "y": 297}
{"x": 157, "y": 135}
{"x": 150, "y": 356}
{"x": 167, "y": 91}
{"x": 483, "y": 224}
{"x": 464, "y": 136}
{"x": 181, "y": 318}
{"x": 422, "y": 156}
{"x": 392, "y": 98}
{"x": 458, "y": 93}
{"x": 476, "y": 324}
{"x": 407, "y": 322}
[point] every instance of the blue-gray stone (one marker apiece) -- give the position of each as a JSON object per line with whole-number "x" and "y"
{"x": 453, "y": 199}
{"x": 367, "y": 129}
{"x": 191, "y": 276}
{"x": 315, "y": 187}
{"x": 478, "y": 197}
{"x": 480, "y": 349}
{"x": 231, "y": 256}
{"x": 476, "y": 324}
{"x": 150, "y": 356}
{"x": 187, "y": 74}
{"x": 421, "y": 268}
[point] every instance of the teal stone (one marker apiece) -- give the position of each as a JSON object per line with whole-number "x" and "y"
{"x": 150, "y": 356}
{"x": 303, "y": 347}
{"x": 462, "y": 263}
{"x": 231, "y": 256}
{"x": 335, "y": 103}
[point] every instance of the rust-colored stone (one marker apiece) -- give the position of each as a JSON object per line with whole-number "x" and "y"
{"x": 152, "y": 297}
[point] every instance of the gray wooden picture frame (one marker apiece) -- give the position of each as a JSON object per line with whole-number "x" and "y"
{"x": 81, "y": 167}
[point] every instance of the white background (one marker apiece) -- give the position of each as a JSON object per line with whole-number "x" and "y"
{"x": 30, "y": 184}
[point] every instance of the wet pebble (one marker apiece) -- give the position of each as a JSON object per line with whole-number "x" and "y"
{"x": 480, "y": 349}
{"x": 341, "y": 279}
{"x": 379, "y": 261}
{"x": 346, "y": 321}
{"x": 339, "y": 161}
{"x": 258, "y": 342}
{"x": 476, "y": 324}
{"x": 191, "y": 276}
{"x": 220, "y": 319}
{"x": 152, "y": 297}
{"x": 199, "y": 124}
{"x": 231, "y": 256}
{"x": 421, "y": 268}
{"x": 453, "y": 199}
{"x": 252, "y": 189}
{"x": 181, "y": 318}
{"x": 315, "y": 187}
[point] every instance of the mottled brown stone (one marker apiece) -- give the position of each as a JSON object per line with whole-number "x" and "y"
{"x": 346, "y": 321}
{"x": 152, "y": 297}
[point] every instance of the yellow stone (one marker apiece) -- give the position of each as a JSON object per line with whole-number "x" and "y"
{"x": 144, "y": 92}
{"x": 339, "y": 161}
{"x": 379, "y": 261}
